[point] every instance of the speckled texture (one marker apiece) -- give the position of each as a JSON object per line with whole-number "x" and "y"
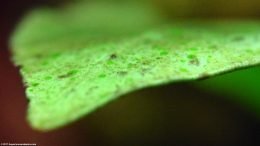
{"x": 73, "y": 66}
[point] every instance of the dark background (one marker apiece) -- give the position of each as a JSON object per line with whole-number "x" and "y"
{"x": 167, "y": 115}
{"x": 13, "y": 125}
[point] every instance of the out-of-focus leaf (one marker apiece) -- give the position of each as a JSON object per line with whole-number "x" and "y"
{"x": 241, "y": 86}
{"x": 76, "y": 59}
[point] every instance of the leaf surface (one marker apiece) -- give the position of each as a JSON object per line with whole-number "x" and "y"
{"x": 78, "y": 58}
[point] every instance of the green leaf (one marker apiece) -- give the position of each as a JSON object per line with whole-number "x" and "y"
{"x": 241, "y": 86}
{"x": 76, "y": 59}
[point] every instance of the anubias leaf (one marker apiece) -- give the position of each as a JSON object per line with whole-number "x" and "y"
{"x": 76, "y": 59}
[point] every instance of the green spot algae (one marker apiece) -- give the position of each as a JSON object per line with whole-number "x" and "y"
{"x": 78, "y": 58}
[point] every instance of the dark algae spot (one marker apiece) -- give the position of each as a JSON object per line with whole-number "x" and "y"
{"x": 144, "y": 71}
{"x": 145, "y": 62}
{"x": 91, "y": 89}
{"x": 38, "y": 56}
{"x": 113, "y": 56}
{"x": 214, "y": 47}
{"x": 122, "y": 73}
{"x": 238, "y": 39}
{"x": 158, "y": 58}
{"x": 70, "y": 73}
{"x": 194, "y": 60}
